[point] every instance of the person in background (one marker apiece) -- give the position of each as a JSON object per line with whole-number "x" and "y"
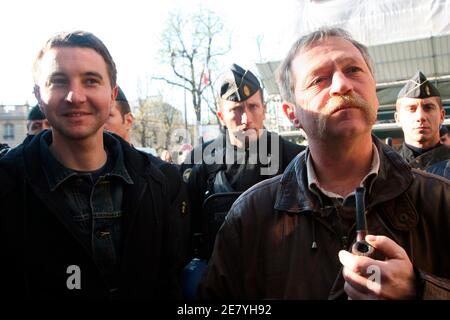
{"x": 120, "y": 123}
{"x": 420, "y": 113}
{"x": 120, "y": 119}
{"x": 36, "y": 121}
{"x": 183, "y": 152}
{"x": 289, "y": 237}
{"x": 245, "y": 153}
{"x": 166, "y": 156}
{"x": 94, "y": 215}
{"x": 444, "y": 136}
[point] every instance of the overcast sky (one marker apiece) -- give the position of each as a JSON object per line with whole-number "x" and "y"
{"x": 131, "y": 30}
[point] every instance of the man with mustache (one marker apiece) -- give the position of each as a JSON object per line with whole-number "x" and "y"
{"x": 420, "y": 114}
{"x": 289, "y": 237}
{"x": 244, "y": 154}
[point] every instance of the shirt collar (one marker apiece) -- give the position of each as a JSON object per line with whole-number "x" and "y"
{"x": 56, "y": 173}
{"x": 313, "y": 182}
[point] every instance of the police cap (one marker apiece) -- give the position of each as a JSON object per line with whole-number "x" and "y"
{"x": 238, "y": 84}
{"x": 418, "y": 87}
{"x": 121, "y": 96}
{"x": 36, "y": 114}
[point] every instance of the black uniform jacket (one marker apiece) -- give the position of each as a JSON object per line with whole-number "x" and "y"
{"x": 202, "y": 176}
{"x": 436, "y": 160}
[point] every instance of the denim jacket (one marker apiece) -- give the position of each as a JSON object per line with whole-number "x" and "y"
{"x": 42, "y": 234}
{"x": 94, "y": 206}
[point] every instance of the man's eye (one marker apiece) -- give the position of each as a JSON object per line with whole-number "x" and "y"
{"x": 354, "y": 69}
{"x": 91, "y": 81}
{"x": 58, "y": 81}
{"x": 317, "y": 80}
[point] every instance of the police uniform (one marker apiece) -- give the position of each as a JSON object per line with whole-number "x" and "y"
{"x": 216, "y": 174}
{"x": 436, "y": 159}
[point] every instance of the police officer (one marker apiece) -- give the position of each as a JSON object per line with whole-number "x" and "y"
{"x": 444, "y": 135}
{"x": 420, "y": 113}
{"x": 121, "y": 118}
{"x": 36, "y": 121}
{"x": 244, "y": 154}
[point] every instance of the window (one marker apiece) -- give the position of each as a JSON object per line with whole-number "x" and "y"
{"x": 8, "y": 131}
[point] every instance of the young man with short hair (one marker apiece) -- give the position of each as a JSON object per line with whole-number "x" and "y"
{"x": 420, "y": 113}
{"x": 120, "y": 119}
{"x": 36, "y": 121}
{"x": 82, "y": 213}
{"x": 245, "y": 154}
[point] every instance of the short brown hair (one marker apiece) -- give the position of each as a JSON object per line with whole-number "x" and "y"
{"x": 285, "y": 79}
{"x": 123, "y": 107}
{"x": 77, "y": 39}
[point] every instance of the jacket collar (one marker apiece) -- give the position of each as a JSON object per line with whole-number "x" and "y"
{"x": 56, "y": 173}
{"x": 142, "y": 172}
{"x": 313, "y": 182}
{"x": 428, "y": 158}
{"x": 216, "y": 155}
{"x": 394, "y": 178}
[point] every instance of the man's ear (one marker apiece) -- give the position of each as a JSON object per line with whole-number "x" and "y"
{"x": 46, "y": 124}
{"x": 114, "y": 93}
{"x": 220, "y": 116}
{"x": 396, "y": 117}
{"x": 128, "y": 120}
{"x": 289, "y": 110}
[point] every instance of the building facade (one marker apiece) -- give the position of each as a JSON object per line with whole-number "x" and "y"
{"x": 13, "y": 123}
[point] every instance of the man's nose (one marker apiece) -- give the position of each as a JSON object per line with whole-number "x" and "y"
{"x": 340, "y": 84}
{"x": 244, "y": 118}
{"x": 76, "y": 94}
{"x": 420, "y": 114}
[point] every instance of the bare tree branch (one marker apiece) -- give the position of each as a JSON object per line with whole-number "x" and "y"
{"x": 171, "y": 82}
{"x": 190, "y": 46}
{"x": 155, "y": 121}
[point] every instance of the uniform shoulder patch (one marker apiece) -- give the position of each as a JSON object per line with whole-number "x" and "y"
{"x": 187, "y": 174}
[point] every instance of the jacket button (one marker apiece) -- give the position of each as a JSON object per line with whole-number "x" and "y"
{"x": 102, "y": 234}
{"x": 403, "y": 217}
